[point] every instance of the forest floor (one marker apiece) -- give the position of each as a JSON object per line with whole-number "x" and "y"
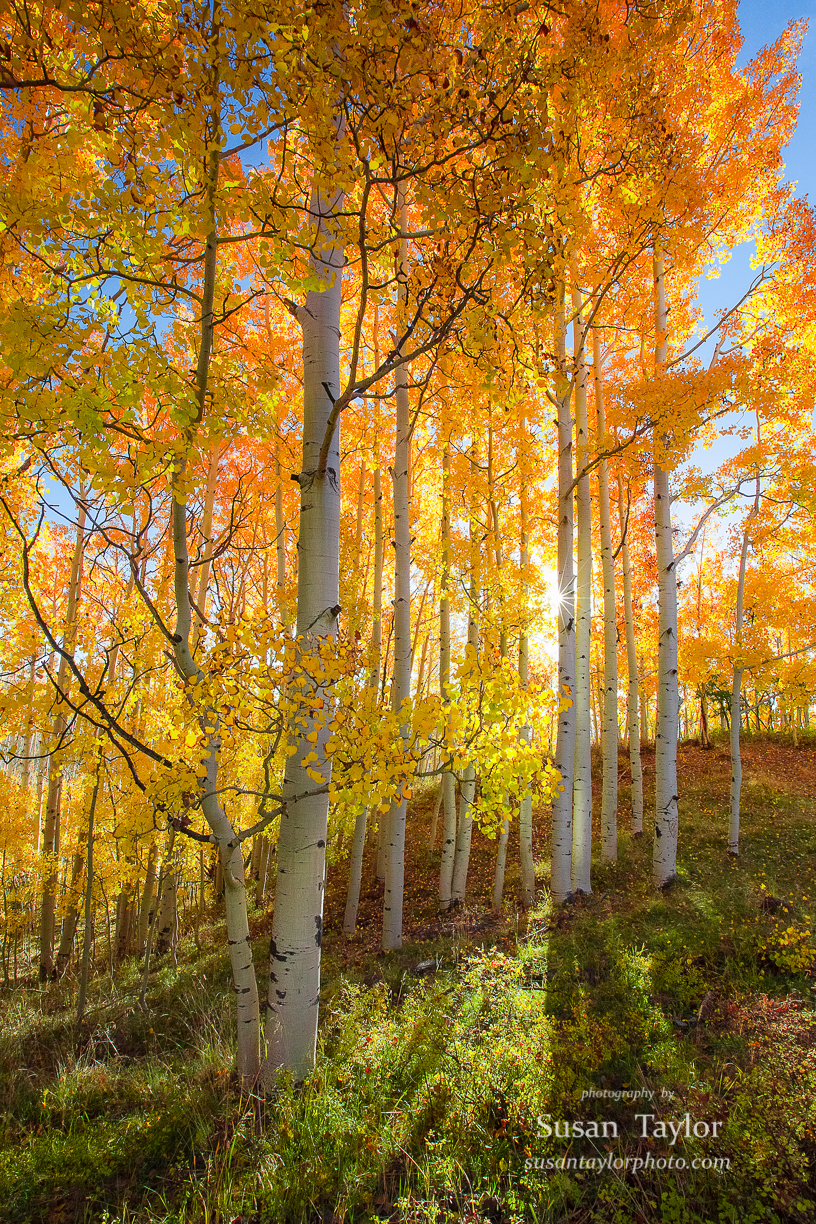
{"x": 635, "y": 1056}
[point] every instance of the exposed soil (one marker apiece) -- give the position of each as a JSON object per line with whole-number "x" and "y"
{"x": 766, "y": 762}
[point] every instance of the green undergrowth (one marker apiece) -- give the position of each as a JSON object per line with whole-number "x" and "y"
{"x": 445, "y": 1096}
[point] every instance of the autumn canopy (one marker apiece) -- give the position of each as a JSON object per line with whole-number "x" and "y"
{"x": 351, "y": 367}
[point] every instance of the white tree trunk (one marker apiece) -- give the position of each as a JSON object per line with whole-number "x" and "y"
{"x": 200, "y": 581}
{"x": 401, "y": 682}
{"x": 664, "y": 858}
{"x": 166, "y": 917}
{"x": 560, "y": 882}
{"x": 609, "y": 731}
{"x": 463, "y": 839}
{"x": 448, "y": 780}
{"x": 468, "y": 788}
{"x": 632, "y": 698}
{"x": 361, "y": 822}
{"x": 526, "y": 805}
{"x": 87, "y": 938}
{"x": 50, "y": 844}
{"x": 25, "y": 771}
{"x": 376, "y": 630}
{"x": 582, "y": 784}
{"x": 736, "y": 687}
{"x": 297, "y": 931}
{"x": 504, "y": 833}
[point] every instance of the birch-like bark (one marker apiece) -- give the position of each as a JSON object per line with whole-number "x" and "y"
{"x": 644, "y": 706}
{"x": 560, "y": 881}
{"x": 526, "y": 805}
{"x": 376, "y": 637}
{"x": 223, "y": 832}
{"x": 74, "y": 893}
{"x": 582, "y": 785}
{"x": 609, "y": 731}
{"x": 448, "y": 780}
{"x": 360, "y": 586}
{"x": 73, "y": 899}
{"x": 736, "y": 687}
{"x": 124, "y": 919}
{"x": 297, "y": 932}
{"x": 25, "y": 772}
{"x": 401, "y": 681}
{"x": 361, "y": 822}
{"x": 664, "y": 858}
{"x": 467, "y": 791}
{"x": 88, "y": 934}
{"x": 166, "y": 908}
{"x": 263, "y": 872}
{"x": 504, "y": 832}
{"x": 633, "y": 721}
{"x": 200, "y": 582}
{"x": 147, "y": 899}
{"x": 355, "y": 872}
{"x": 50, "y": 841}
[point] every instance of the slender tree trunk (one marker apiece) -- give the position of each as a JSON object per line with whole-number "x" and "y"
{"x": 504, "y": 832}
{"x": 435, "y": 823}
{"x": 124, "y": 920}
{"x": 582, "y": 785}
{"x": 705, "y": 742}
{"x": 200, "y": 896}
{"x": 560, "y": 882}
{"x": 401, "y": 683}
{"x": 467, "y": 791}
{"x": 71, "y": 920}
{"x": 448, "y": 780}
{"x": 88, "y": 934}
{"x": 609, "y": 734}
{"x": 223, "y": 832}
{"x": 736, "y": 687}
{"x": 25, "y": 772}
{"x": 50, "y": 845}
{"x": 200, "y": 581}
{"x": 355, "y": 873}
{"x": 633, "y": 723}
{"x": 376, "y": 642}
{"x": 297, "y": 932}
{"x": 166, "y": 921}
{"x": 526, "y": 805}
{"x": 147, "y": 898}
{"x": 664, "y": 860}
{"x": 361, "y": 822}
{"x": 263, "y": 873}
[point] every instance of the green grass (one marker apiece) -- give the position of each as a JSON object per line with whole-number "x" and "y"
{"x": 425, "y": 1102}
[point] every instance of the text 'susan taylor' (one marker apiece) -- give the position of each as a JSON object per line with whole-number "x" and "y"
{"x": 648, "y": 1126}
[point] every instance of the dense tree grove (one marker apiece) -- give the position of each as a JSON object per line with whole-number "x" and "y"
{"x": 356, "y": 410}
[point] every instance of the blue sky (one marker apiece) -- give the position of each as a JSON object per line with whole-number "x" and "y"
{"x": 762, "y": 23}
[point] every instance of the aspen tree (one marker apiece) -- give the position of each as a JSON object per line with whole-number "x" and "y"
{"x": 609, "y": 733}
{"x": 526, "y": 805}
{"x": 448, "y": 780}
{"x": 736, "y": 685}
{"x": 297, "y": 931}
{"x": 200, "y": 582}
{"x": 664, "y": 861}
{"x": 88, "y": 935}
{"x": 50, "y": 845}
{"x": 401, "y": 682}
{"x": 467, "y": 790}
{"x": 582, "y": 777}
{"x": 634, "y": 721}
{"x": 565, "y": 740}
{"x": 504, "y": 831}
